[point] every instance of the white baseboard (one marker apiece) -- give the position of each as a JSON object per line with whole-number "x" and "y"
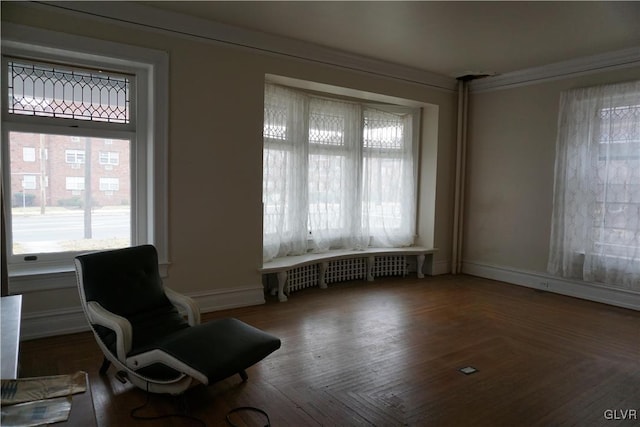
{"x": 546, "y": 282}
{"x": 52, "y": 322}
{"x": 222, "y": 299}
{"x": 72, "y": 320}
{"x": 441, "y": 267}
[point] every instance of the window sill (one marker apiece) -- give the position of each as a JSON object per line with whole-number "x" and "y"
{"x": 47, "y": 278}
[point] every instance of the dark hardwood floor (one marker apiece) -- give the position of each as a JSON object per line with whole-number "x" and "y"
{"x": 387, "y": 353}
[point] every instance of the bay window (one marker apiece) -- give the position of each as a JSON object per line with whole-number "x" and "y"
{"x": 336, "y": 173}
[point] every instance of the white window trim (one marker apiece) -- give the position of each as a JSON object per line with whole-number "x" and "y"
{"x": 20, "y": 40}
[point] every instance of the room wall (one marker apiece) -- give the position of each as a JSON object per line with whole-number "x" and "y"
{"x": 511, "y": 155}
{"x": 215, "y": 167}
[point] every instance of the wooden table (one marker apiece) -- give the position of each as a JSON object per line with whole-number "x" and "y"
{"x": 11, "y": 311}
{"x": 82, "y": 411}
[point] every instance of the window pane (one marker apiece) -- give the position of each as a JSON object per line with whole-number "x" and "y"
{"x": 616, "y": 212}
{"x": 109, "y": 184}
{"x": 383, "y": 205}
{"x": 383, "y": 131}
{"x": 326, "y": 190}
{"x": 74, "y": 156}
{"x": 617, "y": 124}
{"x": 274, "y": 189}
{"x": 275, "y": 122}
{"x": 384, "y": 165}
{"x": 66, "y": 200}
{"x": 326, "y": 129}
{"x": 109, "y": 158}
{"x": 29, "y": 154}
{"x": 71, "y": 93}
{"x": 29, "y": 182}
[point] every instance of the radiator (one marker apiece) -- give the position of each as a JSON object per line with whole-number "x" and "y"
{"x": 346, "y": 269}
{"x": 303, "y": 277}
{"x": 390, "y": 266}
{"x": 342, "y": 270}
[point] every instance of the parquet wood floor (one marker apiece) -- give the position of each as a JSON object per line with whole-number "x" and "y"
{"x": 387, "y": 353}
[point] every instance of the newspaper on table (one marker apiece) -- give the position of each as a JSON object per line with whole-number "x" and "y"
{"x": 36, "y": 413}
{"x": 37, "y": 401}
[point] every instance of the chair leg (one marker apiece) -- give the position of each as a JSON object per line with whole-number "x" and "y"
{"x": 105, "y": 365}
{"x": 243, "y": 375}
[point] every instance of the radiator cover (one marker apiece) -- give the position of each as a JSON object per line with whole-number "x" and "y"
{"x": 346, "y": 269}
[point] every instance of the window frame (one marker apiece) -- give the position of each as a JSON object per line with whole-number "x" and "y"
{"x": 149, "y": 213}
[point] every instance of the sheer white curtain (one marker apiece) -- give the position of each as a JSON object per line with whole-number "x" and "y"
{"x": 389, "y": 194}
{"x": 596, "y": 213}
{"x": 284, "y": 183}
{"x": 335, "y": 135}
{"x": 336, "y": 174}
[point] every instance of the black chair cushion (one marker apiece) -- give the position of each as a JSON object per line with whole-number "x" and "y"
{"x": 152, "y": 326}
{"x": 218, "y": 348}
{"x": 124, "y": 281}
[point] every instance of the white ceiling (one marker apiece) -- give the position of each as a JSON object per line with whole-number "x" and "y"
{"x": 446, "y": 37}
